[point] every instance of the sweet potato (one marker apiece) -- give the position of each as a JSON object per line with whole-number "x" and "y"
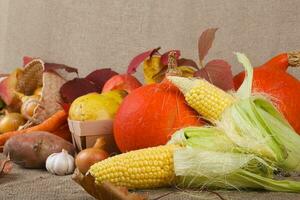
{"x": 32, "y": 150}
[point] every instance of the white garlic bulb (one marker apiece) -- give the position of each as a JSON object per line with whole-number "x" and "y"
{"x": 60, "y": 163}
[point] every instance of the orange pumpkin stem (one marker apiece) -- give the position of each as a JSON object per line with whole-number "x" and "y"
{"x": 172, "y": 65}
{"x": 283, "y": 61}
{"x": 294, "y": 58}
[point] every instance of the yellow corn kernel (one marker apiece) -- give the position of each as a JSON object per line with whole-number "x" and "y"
{"x": 207, "y": 99}
{"x": 140, "y": 169}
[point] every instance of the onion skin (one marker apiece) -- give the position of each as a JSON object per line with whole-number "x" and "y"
{"x": 28, "y": 106}
{"x": 11, "y": 122}
{"x": 87, "y": 157}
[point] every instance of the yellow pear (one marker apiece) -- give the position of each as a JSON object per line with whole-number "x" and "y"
{"x": 95, "y": 106}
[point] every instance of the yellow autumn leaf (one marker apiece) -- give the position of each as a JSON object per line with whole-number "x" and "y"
{"x": 154, "y": 71}
{"x": 152, "y": 67}
{"x": 187, "y": 71}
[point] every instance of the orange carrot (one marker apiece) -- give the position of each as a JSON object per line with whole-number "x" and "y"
{"x": 64, "y": 132}
{"x": 51, "y": 124}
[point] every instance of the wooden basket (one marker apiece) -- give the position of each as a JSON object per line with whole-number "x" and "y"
{"x": 85, "y": 134}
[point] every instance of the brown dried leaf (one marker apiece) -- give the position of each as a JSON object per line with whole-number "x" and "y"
{"x": 50, "y": 100}
{"x": 217, "y": 72}
{"x": 55, "y": 66}
{"x": 31, "y": 78}
{"x": 205, "y": 42}
{"x": 105, "y": 191}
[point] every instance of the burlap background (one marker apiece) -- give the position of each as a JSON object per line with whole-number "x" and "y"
{"x": 90, "y": 34}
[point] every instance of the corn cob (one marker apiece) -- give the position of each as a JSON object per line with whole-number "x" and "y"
{"x": 140, "y": 169}
{"x": 207, "y": 99}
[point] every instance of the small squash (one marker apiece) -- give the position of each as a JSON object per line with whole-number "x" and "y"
{"x": 150, "y": 114}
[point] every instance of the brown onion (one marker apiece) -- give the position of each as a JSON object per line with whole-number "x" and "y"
{"x": 11, "y": 122}
{"x": 28, "y": 105}
{"x": 87, "y": 157}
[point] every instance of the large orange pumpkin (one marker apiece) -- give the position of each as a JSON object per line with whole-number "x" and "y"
{"x": 272, "y": 79}
{"x": 150, "y": 115}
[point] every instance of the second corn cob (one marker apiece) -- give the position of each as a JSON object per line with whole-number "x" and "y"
{"x": 207, "y": 99}
{"x": 140, "y": 169}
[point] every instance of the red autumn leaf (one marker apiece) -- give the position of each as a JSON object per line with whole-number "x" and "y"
{"x": 5, "y": 166}
{"x": 76, "y": 88}
{"x": 137, "y": 60}
{"x": 26, "y": 60}
{"x": 217, "y": 72}
{"x": 205, "y": 42}
{"x": 187, "y": 62}
{"x": 164, "y": 58}
{"x": 100, "y": 76}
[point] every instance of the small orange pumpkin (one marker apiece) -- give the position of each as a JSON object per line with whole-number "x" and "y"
{"x": 150, "y": 115}
{"x": 272, "y": 79}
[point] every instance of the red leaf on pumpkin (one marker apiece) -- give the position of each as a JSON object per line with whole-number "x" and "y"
{"x": 137, "y": 60}
{"x": 217, "y": 72}
{"x": 165, "y": 57}
{"x": 26, "y": 60}
{"x": 5, "y": 166}
{"x": 100, "y": 76}
{"x": 187, "y": 62}
{"x": 76, "y": 88}
{"x": 205, "y": 42}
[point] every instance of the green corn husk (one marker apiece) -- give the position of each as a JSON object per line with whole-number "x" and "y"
{"x": 204, "y": 138}
{"x": 229, "y": 171}
{"x": 211, "y": 160}
{"x": 257, "y": 127}
{"x": 254, "y": 124}
{"x": 249, "y": 144}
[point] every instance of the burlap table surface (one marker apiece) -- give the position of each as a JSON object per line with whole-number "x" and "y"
{"x": 22, "y": 184}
